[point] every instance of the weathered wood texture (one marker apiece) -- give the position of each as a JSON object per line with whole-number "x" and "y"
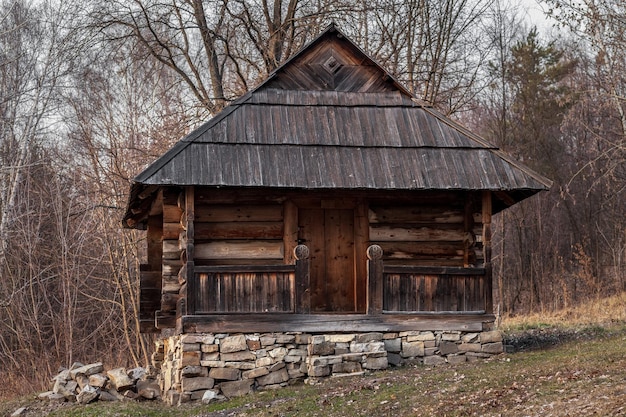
{"x": 361, "y": 243}
{"x": 318, "y": 154}
{"x": 329, "y": 234}
{"x": 318, "y": 323}
{"x": 248, "y": 233}
{"x": 149, "y": 298}
{"x": 375, "y": 280}
{"x": 233, "y": 231}
{"x": 331, "y": 118}
{"x": 434, "y": 292}
{"x": 189, "y": 290}
{"x": 486, "y": 241}
{"x": 244, "y": 292}
{"x": 172, "y": 254}
{"x": 323, "y": 166}
{"x": 303, "y": 279}
{"x": 332, "y": 65}
{"x": 254, "y": 288}
{"x": 429, "y": 233}
{"x": 150, "y": 280}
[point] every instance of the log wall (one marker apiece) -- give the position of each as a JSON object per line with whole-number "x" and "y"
{"x": 428, "y": 233}
{"x": 237, "y": 234}
{"x": 173, "y": 255}
{"x": 256, "y": 229}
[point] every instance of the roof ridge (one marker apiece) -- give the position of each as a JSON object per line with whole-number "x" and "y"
{"x": 340, "y": 145}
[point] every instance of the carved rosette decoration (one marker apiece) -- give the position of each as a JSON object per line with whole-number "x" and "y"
{"x": 374, "y": 252}
{"x": 301, "y": 252}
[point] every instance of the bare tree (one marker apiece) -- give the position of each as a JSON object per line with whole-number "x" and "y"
{"x": 68, "y": 277}
{"x": 598, "y": 123}
{"x": 219, "y": 49}
{"x": 438, "y": 49}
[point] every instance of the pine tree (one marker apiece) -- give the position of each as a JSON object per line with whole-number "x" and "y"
{"x": 538, "y": 76}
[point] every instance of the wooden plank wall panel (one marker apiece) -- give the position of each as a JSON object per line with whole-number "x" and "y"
{"x": 313, "y": 237}
{"x": 290, "y": 232}
{"x": 361, "y": 242}
{"x": 150, "y": 279}
{"x": 240, "y": 230}
{"x": 433, "y": 293}
{"x": 238, "y": 249}
{"x": 238, "y": 213}
{"x": 246, "y": 292}
{"x": 238, "y": 233}
{"x": 339, "y": 242}
{"x": 429, "y": 234}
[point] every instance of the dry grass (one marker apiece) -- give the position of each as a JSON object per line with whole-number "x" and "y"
{"x": 573, "y": 379}
{"x": 581, "y": 374}
{"x": 604, "y": 312}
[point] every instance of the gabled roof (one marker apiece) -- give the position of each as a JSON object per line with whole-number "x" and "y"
{"x": 332, "y": 118}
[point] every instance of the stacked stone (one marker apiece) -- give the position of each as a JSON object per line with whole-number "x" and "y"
{"x": 345, "y": 354}
{"x": 209, "y": 367}
{"x": 88, "y": 383}
{"x": 436, "y": 348}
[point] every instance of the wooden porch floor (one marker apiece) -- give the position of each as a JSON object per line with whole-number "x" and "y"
{"x": 332, "y": 323}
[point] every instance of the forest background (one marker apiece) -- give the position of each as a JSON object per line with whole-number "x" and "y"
{"x": 91, "y": 92}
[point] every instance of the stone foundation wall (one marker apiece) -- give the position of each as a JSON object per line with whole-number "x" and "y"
{"x": 211, "y": 366}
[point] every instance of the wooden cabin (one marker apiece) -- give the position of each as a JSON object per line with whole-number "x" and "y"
{"x": 328, "y": 199}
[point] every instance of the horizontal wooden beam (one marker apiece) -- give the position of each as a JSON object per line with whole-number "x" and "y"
{"x": 244, "y": 268}
{"x": 394, "y": 233}
{"x": 247, "y": 213}
{"x": 257, "y": 249}
{"x": 321, "y": 323}
{"x": 165, "y": 319}
{"x": 432, "y": 270}
{"x": 239, "y": 230}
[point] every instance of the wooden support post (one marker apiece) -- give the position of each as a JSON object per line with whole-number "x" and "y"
{"x": 189, "y": 227}
{"x": 374, "y": 280}
{"x": 486, "y": 211}
{"x": 361, "y": 241}
{"x": 468, "y": 227}
{"x": 290, "y": 231}
{"x": 302, "y": 297}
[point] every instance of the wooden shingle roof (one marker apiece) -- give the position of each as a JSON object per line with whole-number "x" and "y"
{"x": 331, "y": 118}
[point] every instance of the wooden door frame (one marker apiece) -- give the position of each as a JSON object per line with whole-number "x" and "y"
{"x": 359, "y": 206}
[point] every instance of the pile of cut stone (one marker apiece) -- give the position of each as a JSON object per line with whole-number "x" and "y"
{"x": 88, "y": 383}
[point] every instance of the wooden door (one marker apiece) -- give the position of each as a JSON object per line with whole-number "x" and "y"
{"x": 329, "y": 234}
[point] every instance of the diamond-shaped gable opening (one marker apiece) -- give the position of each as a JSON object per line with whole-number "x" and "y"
{"x": 332, "y": 65}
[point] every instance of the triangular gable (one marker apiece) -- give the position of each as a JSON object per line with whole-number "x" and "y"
{"x": 332, "y": 62}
